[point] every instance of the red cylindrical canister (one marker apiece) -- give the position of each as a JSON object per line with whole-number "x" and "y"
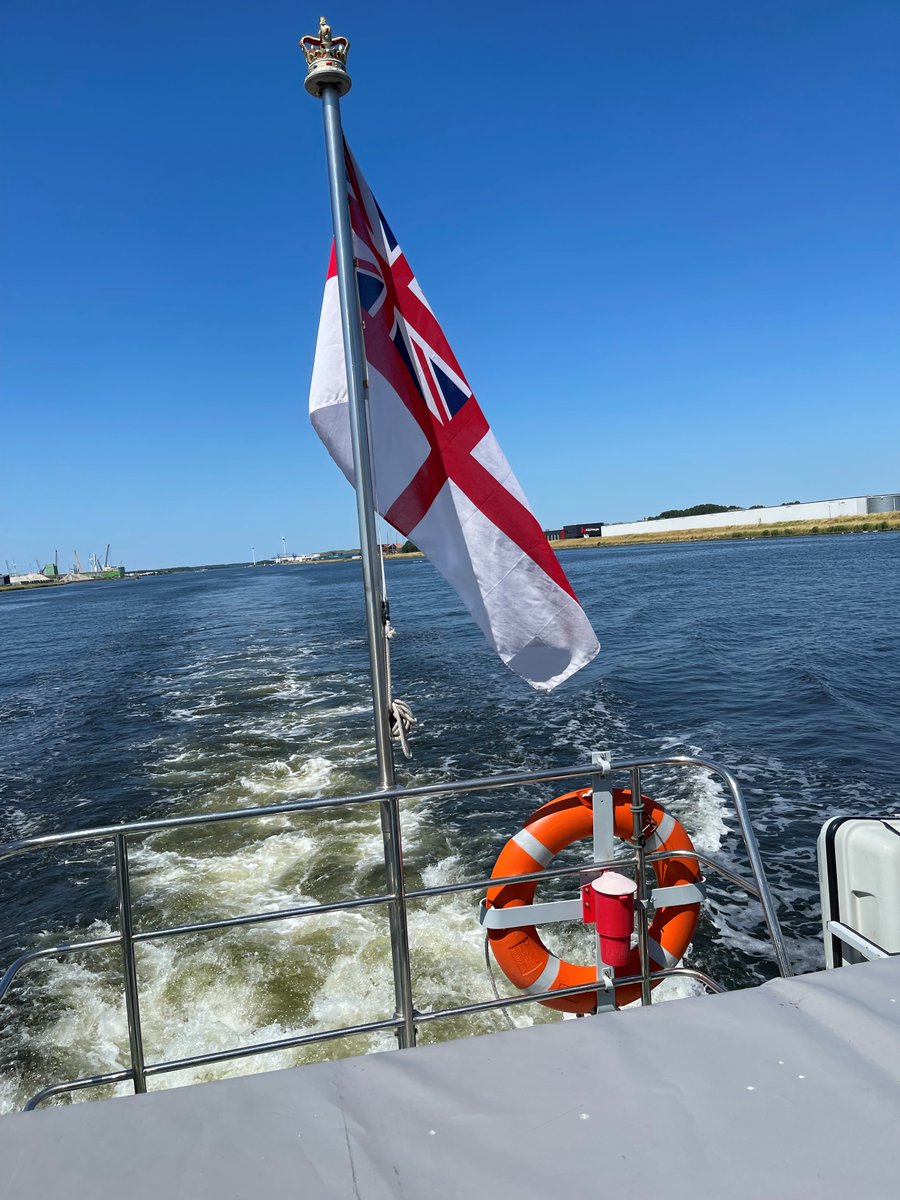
{"x": 612, "y": 902}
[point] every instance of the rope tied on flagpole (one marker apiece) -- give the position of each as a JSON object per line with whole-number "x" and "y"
{"x": 402, "y": 721}
{"x": 400, "y": 713}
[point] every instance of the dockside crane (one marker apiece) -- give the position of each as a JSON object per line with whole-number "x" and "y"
{"x": 106, "y": 560}
{"x": 78, "y": 564}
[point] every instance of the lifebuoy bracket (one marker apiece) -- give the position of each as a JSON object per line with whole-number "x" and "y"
{"x": 520, "y": 915}
{"x": 528, "y": 914}
{"x": 679, "y": 893}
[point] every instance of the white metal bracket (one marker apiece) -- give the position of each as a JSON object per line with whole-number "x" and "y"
{"x": 604, "y": 849}
{"x": 854, "y": 939}
{"x": 529, "y": 914}
{"x": 679, "y": 893}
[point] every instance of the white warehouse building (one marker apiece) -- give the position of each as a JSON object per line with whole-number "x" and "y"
{"x": 815, "y": 510}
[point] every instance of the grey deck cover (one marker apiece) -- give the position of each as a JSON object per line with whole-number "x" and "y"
{"x": 787, "y": 1090}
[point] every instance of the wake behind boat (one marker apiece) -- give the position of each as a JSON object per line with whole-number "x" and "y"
{"x": 603, "y": 1100}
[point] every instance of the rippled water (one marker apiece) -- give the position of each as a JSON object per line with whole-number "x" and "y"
{"x": 217, "y": 689}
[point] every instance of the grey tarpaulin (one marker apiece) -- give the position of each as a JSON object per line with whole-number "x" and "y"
{"x": 791, "y": 1089}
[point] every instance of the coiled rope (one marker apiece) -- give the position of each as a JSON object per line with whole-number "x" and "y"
{"x": 400, "y": 713}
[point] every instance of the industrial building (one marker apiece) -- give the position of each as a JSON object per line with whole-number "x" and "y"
{"x": 581, "y": 529}
{"x": 816, "y": 510}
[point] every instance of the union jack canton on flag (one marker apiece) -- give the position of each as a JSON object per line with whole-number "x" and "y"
{"x": 440, "y": 476}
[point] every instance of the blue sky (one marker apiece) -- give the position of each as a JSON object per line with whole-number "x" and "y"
{"x": 661, "y": 237}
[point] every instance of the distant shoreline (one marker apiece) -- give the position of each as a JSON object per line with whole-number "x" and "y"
{"x": 874, "y": 523}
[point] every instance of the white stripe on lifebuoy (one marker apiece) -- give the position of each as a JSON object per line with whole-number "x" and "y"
{"x": 660, "y": 955}
{"x": 662, "y": 833}
{"x": 533, "y": 848}
{"x": 547, "y": 977}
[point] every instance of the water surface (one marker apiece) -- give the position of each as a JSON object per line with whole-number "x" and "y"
{"x": 216, "y": 689}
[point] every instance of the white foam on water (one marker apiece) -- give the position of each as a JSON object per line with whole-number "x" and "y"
{"x": 184, "y": 756}
{"x": 707, "y": 812}
{"x": 13, "y": 1090}
{"x": 293, "y": 690}
{"x": 286, "y": 777}
{"x": 335, "y": 715}
{"x": 369, "y": 852}
{"x": 195, "y": 1006}
{"x": 185, "y": 714}
{"x": 90, "y": 1022}
{"x": 695, "y": 796}
{"x": 23, "y": 824}
{"x": 217, "y": 990}
{"x": 247, "y": 880}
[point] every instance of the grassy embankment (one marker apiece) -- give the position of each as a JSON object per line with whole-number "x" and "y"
{"x": 868, "y": 524}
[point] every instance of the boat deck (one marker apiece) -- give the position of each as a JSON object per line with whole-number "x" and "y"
{"x": 788, "y": 1090}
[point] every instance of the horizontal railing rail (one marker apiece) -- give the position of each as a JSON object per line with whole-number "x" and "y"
{"x": 128, "y": 938}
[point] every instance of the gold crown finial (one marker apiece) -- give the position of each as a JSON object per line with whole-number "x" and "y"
{"x": 326, "y": 61}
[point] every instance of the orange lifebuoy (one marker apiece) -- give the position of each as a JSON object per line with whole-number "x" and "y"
{"x": 520, "y": 953}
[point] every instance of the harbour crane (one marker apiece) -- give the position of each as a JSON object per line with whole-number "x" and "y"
{"x": 106, "y": 560}
{"x": 78, "y": 564}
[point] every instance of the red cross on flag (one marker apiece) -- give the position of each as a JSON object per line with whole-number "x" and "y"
{"x": 440, "y": 477}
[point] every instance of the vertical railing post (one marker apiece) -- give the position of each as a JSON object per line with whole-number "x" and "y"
{"x": 637, "y": 817}
{"x": 603, "y": 820}
{"x": 129, "y": 966}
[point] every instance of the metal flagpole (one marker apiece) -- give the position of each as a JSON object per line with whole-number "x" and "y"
{"x": 327, "y": 80}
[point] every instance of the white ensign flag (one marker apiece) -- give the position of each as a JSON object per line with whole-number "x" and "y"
{"x": 440, "y": 477}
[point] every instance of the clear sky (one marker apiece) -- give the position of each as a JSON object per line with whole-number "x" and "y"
{"x": 662, "y": 237}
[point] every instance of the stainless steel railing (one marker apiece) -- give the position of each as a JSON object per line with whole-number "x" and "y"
{"x": 406, "y": 1018}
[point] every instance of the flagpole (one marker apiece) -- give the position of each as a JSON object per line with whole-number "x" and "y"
{"x": 327, "y": 80}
